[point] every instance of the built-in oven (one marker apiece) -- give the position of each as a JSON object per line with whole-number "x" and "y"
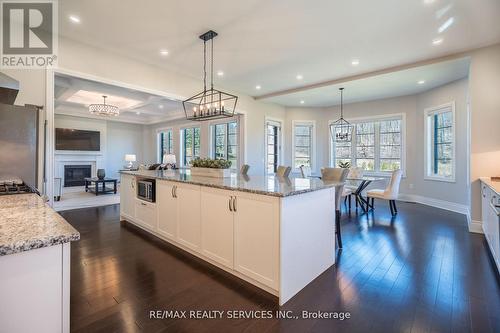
{"x": 146, "y": 189}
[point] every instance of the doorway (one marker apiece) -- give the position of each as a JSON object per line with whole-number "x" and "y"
{"x": 273, "y": 145}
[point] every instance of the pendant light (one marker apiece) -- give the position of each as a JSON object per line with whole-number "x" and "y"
{"x": 104, "y": 109}
{"x": 341, "y": 130}
{"x": 210, "y": 103}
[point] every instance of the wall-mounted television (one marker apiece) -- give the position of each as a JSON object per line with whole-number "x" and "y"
{"x": 73, "y": 139}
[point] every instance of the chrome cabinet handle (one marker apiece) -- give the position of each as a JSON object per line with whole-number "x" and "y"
{"x": 175, "y": 191}
{"x": 142, "y": 203}
{"x": 172, "y": 191}
{"x": 234, "y": 204}
{"x": 230, "y": 208}
{"x": 493, "y": 198}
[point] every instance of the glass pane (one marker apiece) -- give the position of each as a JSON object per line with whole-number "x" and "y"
{"x": 303, "y": 141}
{"x": 270, "y": 139}
{"x": 366, "y": 139}
{"x": 444, "y": 151}
{"x": 302, "y": 130}
{"x": 343, "y": 152}
{"x": 390, "y": 152}
{"x": 365, "y": 152}
{"x": 232, "y": 139}
{"x": 232, "y": 128}
{"x": 341, "y": 160}
{"x": 302, "y": 161}
{"x": 270, "y": 149}
{"x": 366, "y": 164}
{"x": 302, "y": 152}
{"x": 389, "y": 165}
{"x": 445, "y": 168}
{"x": 270, "y": 129}
{"x": 390, "y": 126}
{"x": 365, "y": 128}
{"x": 390, "y": 138}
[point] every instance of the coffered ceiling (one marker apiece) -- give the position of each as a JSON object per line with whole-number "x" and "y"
{"x": 74, "y": 95}
{"x": 282, "y": 44}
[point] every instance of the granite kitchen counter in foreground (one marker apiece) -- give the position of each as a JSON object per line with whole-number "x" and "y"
{"x": 28, "y": 223}
{"x": 266, "y": 185}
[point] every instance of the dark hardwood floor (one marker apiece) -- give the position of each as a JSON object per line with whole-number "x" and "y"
{"x": 421, "y": 271}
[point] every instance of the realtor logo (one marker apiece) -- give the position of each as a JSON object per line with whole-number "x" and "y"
{"x": 29, "y": 36}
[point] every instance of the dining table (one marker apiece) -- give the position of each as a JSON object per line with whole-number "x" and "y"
{"x": 358, "y": 185}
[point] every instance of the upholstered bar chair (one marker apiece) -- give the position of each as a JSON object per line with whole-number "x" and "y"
{"x": 390, "y": 193}
{"x": 336, "y": 175}
{"x": 305, "y": 171}
{"x": 283, "y": 171}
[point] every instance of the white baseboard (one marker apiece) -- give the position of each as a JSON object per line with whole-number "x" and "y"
{"x": 451, "y": 206}
{"x": 476, "y": 227}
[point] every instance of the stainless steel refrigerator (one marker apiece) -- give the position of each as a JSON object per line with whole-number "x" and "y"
{"x": 19, "y": 127}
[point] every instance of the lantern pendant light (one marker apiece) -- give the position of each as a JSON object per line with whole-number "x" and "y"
{"x": 341, "y": 130}
{"x": 210, "y": 103}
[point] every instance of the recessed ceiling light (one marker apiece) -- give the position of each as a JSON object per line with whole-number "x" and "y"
{"x": 258, "y": 87}
{"x": 299, "y": 77}
{"x": 137, "y": 113}
{"x": 302, "y": 102}
{"x": 74, "y": 19}
{"x": 446, "y": 25}
{"x": 421, "y": 82}
{"x": 220, "y": 73}
{"x": 437, "y": 41}
{"x": 160, "y": 106}
{"x": 355, "y": 62}
{"x": 164, "y": 52}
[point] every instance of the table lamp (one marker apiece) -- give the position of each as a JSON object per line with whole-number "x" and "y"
{"x": 169, "y": 160}
{"x": 130, "y": 158}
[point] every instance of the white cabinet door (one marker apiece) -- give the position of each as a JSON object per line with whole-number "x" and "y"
{"x": 217, "y": 225}
{"x": 145, "y": 214}
{"x": 167, "y": 209}
{"x": 127, "y": 196}
{"x": 189, "y": 218}
{"x": 256, "y": 238}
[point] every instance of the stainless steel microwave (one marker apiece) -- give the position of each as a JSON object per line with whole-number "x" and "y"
{"x": 146, "y": 190}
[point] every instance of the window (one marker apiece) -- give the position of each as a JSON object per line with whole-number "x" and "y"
{"x": 190, "y": 144}
{"x": 225, "y": 142}
{"x": 440, "y": 142}
{"x": 303, "y": 136}
{"x": 165, "y": 143}
{"x": 377, "y": 145}
{"x": 273, "y": 137}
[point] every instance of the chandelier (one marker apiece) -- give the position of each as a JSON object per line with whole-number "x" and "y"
{"x": 210, "y": 103}
{"x": 104, "y": 109}
{"x": 341, "y": 130}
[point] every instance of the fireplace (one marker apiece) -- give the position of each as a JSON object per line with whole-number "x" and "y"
{"x": 74, "y": 174}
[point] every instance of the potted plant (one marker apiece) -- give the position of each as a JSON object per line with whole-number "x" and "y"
{"x": 344, "y": 165}
{"x": 209, "y": 167}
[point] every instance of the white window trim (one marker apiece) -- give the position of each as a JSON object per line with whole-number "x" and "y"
{"x": 356, "y": 120}
{"x": 279, "y": 122}
{"x": 210, "y": 140}
{"x": 427, "y": 151}
{"x": 313, "y": 148}
{"x": 159, "y": 158}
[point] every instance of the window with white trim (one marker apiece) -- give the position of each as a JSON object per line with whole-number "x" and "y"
{"x": 440, "y": 142}
{"x": 165, "y": 143}
{"x": 190, "y": 144}
{"x": 303, "y": 144}
{"x": 225, "y": 139}
{"x": 376, "y": 146}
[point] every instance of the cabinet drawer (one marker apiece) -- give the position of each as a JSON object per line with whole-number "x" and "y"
{"x": 145, "y": 214}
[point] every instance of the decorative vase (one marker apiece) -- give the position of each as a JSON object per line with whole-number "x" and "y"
{"x": 101, "y": 173}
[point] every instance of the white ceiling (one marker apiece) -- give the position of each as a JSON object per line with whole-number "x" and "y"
{"x": 73, "y": 96}
{"x": 400, "y": 83}
{"x": 268, "y": 43}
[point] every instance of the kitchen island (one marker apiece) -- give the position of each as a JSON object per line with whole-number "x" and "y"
{"x": 34, "y": 265}
{"x": 276, "y": 233}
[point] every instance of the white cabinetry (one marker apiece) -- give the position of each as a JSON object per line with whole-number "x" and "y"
{"x": 145, "y": 214}
{"x": 256, "y": 237}
{"x": 189, "y": 215}
{"x": 491, "y": 221}
{"x": 217, "y": 225}
{"x": 127, "y": 196}
{"x": 167, "y": 209}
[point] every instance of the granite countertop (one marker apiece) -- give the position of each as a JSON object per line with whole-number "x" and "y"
{"x": 494, "y": 185}
{"x": 28, "y": 223}
{"x": 266, "y": 185}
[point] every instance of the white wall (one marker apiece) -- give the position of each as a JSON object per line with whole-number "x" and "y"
{"x": 117, "y": 139}
{"x": 413, "y": 184}
{"x": 484, "y": 85}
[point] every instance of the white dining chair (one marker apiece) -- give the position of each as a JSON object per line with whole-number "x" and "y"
{"x": 390, "y": 193}
{"x": 336, "y": 175}
{"x": 354, "y": 173}
{"x": 283, "y": 171}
